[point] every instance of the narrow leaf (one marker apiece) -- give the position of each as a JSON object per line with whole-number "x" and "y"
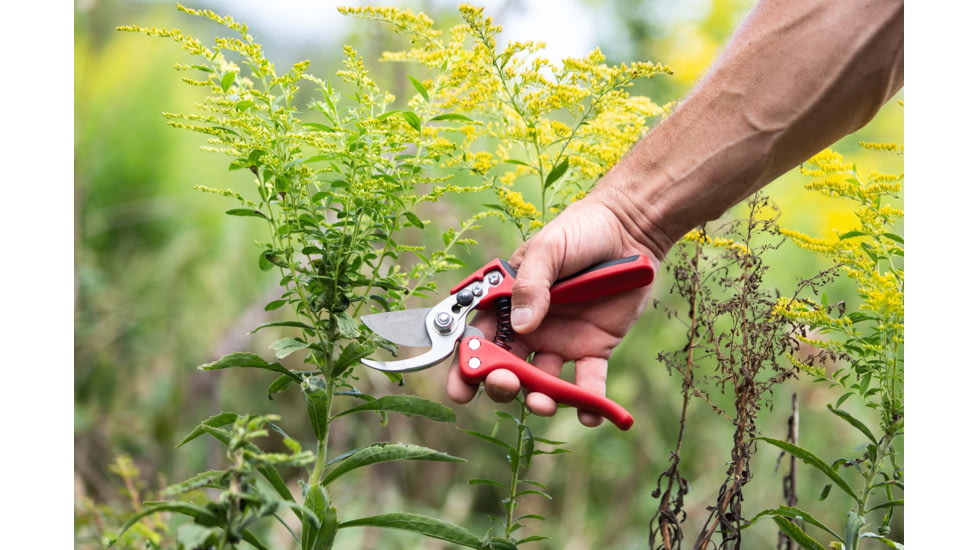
{"x": 200, "y": 514}
{"x": 222, "y": 419}
{"x": 556, "y": 173}
{"x": 484, "y": 481}
{"x": 452, "y": 116}
{"x": 246, "y": 212}
{"x": 854, "y": 422}
{"x": 414, "y": 220}
{"x": 888, "y": 504}
{"x": 409, "y": 405}
{"x": 227, "y": 80}
{"x": 287, "y": 346}
{"x": 490, "y": 439}
{"x": 250, "y": 360}
{"x": 809, "y": 458}
{"x": 419, "y": 87}
{"x": 791, "y": 512}
{"x": 796, "y": 534}
{"x": 351, "y": 355}
{"x": 386, "y": 452}
{"x": 413, "y": 119}
{"x": 428, "y": 526}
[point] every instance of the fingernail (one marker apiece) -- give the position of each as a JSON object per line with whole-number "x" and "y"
{"x": 521, "y": 316}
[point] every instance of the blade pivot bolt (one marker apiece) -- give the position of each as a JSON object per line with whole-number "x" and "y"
{"x": 443, "y": 322}
{"x": 474, "y": 363}
{"x": 464, "y": 297}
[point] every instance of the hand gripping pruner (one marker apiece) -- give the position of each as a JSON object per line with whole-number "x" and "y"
{"x": 491, "y": 286}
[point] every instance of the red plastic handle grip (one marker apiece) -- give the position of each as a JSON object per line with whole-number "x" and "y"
{"x": 478, "y": 357}
{"x": 596, "y": 281}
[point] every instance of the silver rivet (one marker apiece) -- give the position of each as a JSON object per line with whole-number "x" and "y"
{"x": 494, "y": 278}
{"x": 477, "y": 289}
{"x": 443, "y": 321}
{"x": 474, "y": 343}
{"x": 474, "y": 363}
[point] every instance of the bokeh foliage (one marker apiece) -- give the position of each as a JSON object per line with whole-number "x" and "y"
{"x": 165, "y": 281}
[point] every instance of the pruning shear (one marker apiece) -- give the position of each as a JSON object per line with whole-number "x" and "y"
{"x": 443, "y": 326}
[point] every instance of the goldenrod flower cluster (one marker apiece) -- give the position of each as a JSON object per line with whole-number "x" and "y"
{"x": 871, "y": 255}
{"x": 557, "y": 127}
{"x": 700, "y": 236}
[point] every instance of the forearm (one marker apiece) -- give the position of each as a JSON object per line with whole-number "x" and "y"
{"x": 796, "y": 77}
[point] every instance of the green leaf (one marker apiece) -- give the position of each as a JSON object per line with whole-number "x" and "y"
{"x": 413, "y": 119}
{"x": 809, "y": 458}
{"x": 419, "y": 87}
{"x": 791, "y": 512}
{"x": 484, "y": 481}
{"x": 452, "y": 116}
{"x": 247, "y": 360}
{"x": 852, "y": 234}
{"x": 386, "y": 452}
{"x": 227, "y": 80}
{"x": 499, "y": 543}
{"x": 887, "y": 504}
{"x": 317, "y": 405}
{"x": 490, "y": 439}
{"x": 287, "y": 346}
{"x": 531, "y": 538}
{"x": 854, "y": 523}
{"x": 796, "y": 534}
{"x": 854, "y": 422}
{"x": 351, "y": 355}
{"x": 409, "y": 405}
{"x": 246, "y": 212}
{"x": 200, "y": 514}
{"x": 280, "y": 385}
{"x": 324, "y": 128}
{"x": 209, "y": 478}
{"x": 556, "y": 173}
{"x": 272, "y": 306}
{"x": 318, "y": 531}
{"x": 894, "y": 237}
{"x": 293, "y": 324}
{"x": 414, "y": 220}
{"x": 428, "y": 526}
{"x": 191, "y": 535}
{"x": 221, "y": 419}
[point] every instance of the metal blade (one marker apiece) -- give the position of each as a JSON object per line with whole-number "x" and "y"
{"x": 404, "y": 327}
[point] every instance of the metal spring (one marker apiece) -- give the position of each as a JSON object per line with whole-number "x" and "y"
{"x": 504, "y": 328}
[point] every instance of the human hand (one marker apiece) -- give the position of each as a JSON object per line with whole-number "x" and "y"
{"x": 584, "y": 333}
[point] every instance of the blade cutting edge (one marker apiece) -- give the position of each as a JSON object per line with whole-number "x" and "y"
{"x": 403, "y": 327}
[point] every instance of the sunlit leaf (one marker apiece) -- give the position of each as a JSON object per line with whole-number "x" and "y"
{"x": 419, "y": 87}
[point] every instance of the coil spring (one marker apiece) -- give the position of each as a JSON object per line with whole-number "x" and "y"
{"x": 504, "y": 327}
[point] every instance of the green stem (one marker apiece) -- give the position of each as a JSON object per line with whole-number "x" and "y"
{"x": 514, "y": 481}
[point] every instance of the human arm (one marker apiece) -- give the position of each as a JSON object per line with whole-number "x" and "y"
{"x": 794, "y": 78}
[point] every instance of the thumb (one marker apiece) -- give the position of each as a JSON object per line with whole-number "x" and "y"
{"x": 538, "y": 269}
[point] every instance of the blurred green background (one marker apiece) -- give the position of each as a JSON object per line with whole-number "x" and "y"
{"x": 165, "y": 281}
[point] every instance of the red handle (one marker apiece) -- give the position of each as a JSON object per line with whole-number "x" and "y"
{"x": 478, "y": 357}
{"x": 596, "y": 281}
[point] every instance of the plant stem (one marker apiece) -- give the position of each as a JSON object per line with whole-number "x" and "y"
{"x": 514, "y": 481}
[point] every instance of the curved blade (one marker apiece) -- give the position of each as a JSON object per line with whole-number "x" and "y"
{"x": 404, "y": 327}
